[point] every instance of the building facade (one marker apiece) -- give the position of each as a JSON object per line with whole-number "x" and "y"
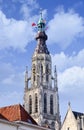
{"x": 19, "y": 125}
{"x": 41, "y": 99}
{"x": 73, "y": 120}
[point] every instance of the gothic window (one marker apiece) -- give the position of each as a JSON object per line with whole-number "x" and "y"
{"x": 36, "y": 102}
{"x": 45, "y": 103}
{"x": 47, "y": 73}
{"x": 41, "y": 72}
{"x": 41, "y": 69}
{"x": 30, "y": 104}
{"x": 34, "y": 72}
{"x": 51, "y": 104}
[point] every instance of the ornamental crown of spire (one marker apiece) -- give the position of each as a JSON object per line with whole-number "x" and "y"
{"x": 41, "y": 23}
{"x": 41, "y": 37}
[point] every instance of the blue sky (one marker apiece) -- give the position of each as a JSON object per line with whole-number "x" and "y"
{"x": 65, "y": 21}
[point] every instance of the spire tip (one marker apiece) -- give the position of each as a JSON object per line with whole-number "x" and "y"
{"x": 41, "y": 12}
{"x": 69, "y": 104}
{"x": 26, "y": 68}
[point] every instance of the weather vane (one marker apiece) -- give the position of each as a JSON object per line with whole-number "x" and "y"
{"x": 41, "y": 25}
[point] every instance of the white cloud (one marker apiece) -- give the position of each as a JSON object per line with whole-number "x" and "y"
{"x": 66, "y": 27}
{"x": 25, "y": 11}
{"x": 27, "y": 7}
{"x": 71, "y": 79}
{"x": 71, "y": 88}
{"x": 70, "y": 71}
{"x": 29, "y": 2}
{"x": 6, "y": 69}
{"x": 11, "y": 84}
{"x": 64, "y": 61}
{"x": 15, "y": 34}
{"x": 10, "y": 78}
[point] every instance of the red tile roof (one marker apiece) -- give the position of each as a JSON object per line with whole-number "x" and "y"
{"x": 16, "y": 113}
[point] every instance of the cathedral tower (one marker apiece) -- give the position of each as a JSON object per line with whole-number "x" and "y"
{"x": 41, "y": 99}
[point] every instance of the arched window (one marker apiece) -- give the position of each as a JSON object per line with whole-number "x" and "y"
{"x": 47, "y": 73}
{"x": 30, "y": 104}
{"x": 36, "y": 102}
{"x": 45, "y": 103}
{"x": 34, "y": 72}
{"x": 51, "y": 104}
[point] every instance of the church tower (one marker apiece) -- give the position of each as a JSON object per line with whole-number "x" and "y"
{"x": 41, "y": 99}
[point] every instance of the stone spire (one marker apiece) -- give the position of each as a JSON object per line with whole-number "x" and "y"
{"x": 57, "y": 97}
{"x": 41, "y": 37}
{"x": 41, "y": 100}
{"x": 55, "y": 78}
{"x": 26, "y": 79}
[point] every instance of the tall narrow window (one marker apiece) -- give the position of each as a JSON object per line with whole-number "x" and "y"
{"x": 51, "y": 104}
{"x": 36, "y": 102}
{"x": 41, "y": 69}
{"x": 30, "y": 104}
{"x": 47, "y": 73}
{"x": 41, "y": 72}
{"x": 45, "y": 103}
{"x": 34, "y": 72}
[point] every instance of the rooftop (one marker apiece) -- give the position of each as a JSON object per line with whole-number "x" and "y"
{"x": 77, "y": 114}
{"x": 16, "y": 113}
